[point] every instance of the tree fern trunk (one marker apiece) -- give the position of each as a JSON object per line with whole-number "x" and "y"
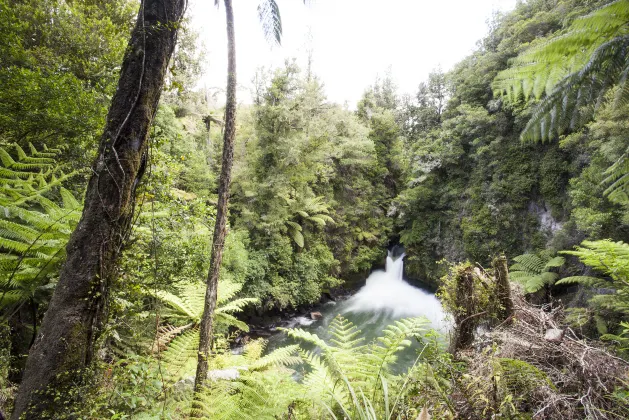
{"x": 464, "y": 322}
{"x": 503, "y": 290}
{"x": 220, "y": 227}
{"x": 65, "y": 343}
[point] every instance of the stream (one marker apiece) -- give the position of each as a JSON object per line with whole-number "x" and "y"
{"x": 385, "y": 297}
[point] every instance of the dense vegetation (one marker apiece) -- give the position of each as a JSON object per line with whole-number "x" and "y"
{"x": 453, "y": 173}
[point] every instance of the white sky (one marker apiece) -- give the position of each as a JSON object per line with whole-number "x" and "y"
{"x": 352, "y": 40}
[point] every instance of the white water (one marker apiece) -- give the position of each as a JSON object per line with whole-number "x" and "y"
{"x": 384, "y": 298}
{"x": 386, "y": 293}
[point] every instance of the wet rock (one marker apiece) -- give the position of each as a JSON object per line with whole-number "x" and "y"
{"x": 554, "y": 335}
{"x": 316, "y": 315}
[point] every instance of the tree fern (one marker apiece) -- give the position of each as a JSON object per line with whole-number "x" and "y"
{"x": 541, "y": 68}
{"x": 269, "y": 16}
{"x": 574, "y": 71}
{"x": 612, "y": 260}
{"x": 534, "y": 271}
{"x": 264, "y": 388}
{"x": 305, "y": 208}
{"x": 178, "y": 339}
{"x": 27, "y": 178}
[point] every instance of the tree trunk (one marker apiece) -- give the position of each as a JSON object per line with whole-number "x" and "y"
{"x": 205, "y": 339}
{"x": 64, "y": 346}
{"x": 503, "y": 290}
{"x": 464, "y": 320}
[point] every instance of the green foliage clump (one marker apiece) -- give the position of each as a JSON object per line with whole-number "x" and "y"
{"x": 612, "y": 260}
{"x": 310, "y": 188}
{"x": 534, "y": 271}
{"x": 37, "y": 217}
{"x": 354, "y": 380}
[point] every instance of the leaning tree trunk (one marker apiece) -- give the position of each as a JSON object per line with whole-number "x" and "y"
{"x": 64, "y": 346}
{"x": 205, "y": 338}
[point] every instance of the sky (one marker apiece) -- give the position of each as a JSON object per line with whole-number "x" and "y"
{"x": 352, "y": 41}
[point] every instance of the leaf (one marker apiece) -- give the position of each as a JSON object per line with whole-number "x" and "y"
{"x": 298, "y": 238}
{"x": 269, "y": 17}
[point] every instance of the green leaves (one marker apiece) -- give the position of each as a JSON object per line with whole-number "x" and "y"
{"x": 534, "y": 271}
{"x": 308, "y": 208}
{"x": 269, "y": 16}
{"x": 542, "y": 67}
{"x": 34, "y": 230}
{"x": 572, "y": 73}
{"x": 349, "y": 374}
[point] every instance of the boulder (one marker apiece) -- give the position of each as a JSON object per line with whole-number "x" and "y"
{"x": 316, "y": 315}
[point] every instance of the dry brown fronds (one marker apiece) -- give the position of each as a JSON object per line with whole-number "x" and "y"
{"x": 584, "y": 375}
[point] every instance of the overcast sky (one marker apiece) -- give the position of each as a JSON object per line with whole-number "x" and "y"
{"x": 352, "y": 41}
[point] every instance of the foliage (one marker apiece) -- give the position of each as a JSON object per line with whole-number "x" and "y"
{"x": 353, "y": 379}
{"x": 38, "y": 216}
{"x": 178, "y": 339}
{"x": 60, "y": 64}
{"x": 575, "y": 70}
{"x": 306, "y": 191}
{"x": 533, "y": 271}
{"x": 612, "y": 260}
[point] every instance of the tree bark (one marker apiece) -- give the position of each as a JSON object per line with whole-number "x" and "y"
{"x": 503, "y": 290}
{"x": 205, "y": 339}
{"x": 64, "y": 346}
{"x": 464, "y": 319}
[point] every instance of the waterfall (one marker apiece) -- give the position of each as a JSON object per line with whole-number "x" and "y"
{"x": 386, "y": 293}
{"x": 395, "y": 266}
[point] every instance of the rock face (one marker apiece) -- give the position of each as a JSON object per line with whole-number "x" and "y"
{"x": 554, "y": 335}
{"x": 316, "y": 315}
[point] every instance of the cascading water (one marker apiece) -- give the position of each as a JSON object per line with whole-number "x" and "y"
{"x": 387, "y": 295}
{"x": 384, "y": 298}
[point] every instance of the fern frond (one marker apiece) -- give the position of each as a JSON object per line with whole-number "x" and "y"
{"x": 555, "y": 262}
{"x": 269, "y": 16}
{"x": 165, "y": 334}
{"x": 229, "y": 320}
{"x": 284, "y": 356}
{"x": 530, "y": 262}
{"x": 306, "y": 336}
{"x": 182, "y": 308}
{"x": 180, "y": 352}
{"x": 584, "y": 280}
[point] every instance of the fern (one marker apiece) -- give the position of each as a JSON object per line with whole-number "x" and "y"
{"x": 307, "y": 209}
{"x": 534, "y": 271}
{"x": 34, "y": 229}
{"x": 264, "y": 388}
{"x": 612, "y": 260}
{"x": 27, "y": 178}
{"x": 574, "y": 71}
{"x": 269, "y": 16}
{"x": 538, "y": 70}
{"x": 178, "y": 340}
{"x": 349, "y": 373}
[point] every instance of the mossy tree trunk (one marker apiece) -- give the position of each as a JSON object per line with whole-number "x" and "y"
{"x": 503, "y": 290}
{"x": 464, "y": 316}
{"x": 64, "y": 346}
{"x": 220, "y": 227}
